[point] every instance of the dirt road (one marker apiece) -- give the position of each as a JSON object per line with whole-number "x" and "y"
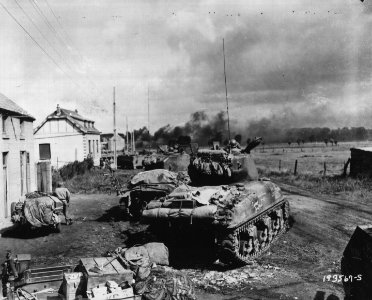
{"x": 292, "y": 269}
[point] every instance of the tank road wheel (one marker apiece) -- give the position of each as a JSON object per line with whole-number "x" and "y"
{"x": 286, "y": 214}
{"x": 264, "y": 232}
{"x": 246, "y": 247}
{"x": 227, "y": 251}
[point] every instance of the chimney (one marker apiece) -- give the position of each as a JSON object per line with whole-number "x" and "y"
{"x": 58, "y": 110}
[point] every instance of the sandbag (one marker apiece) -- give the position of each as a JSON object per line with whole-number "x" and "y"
{"x": 147, "y": 254}
{"x": 164, "y": 283}
{"x": 141, "y": 258}
{"x": 158, "y": 253}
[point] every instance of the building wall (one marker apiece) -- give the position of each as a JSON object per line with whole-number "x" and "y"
{"x": 120, "y": 143}
{"x": 12, "y": 143}
{"x": 92, "y": 144}
{"x": 64, "y": 148}
{"x": 67, "y": 143}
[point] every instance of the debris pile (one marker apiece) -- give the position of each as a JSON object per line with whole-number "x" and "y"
{"x": 233, "y": 279}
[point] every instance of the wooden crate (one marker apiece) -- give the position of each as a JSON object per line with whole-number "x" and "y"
{"x": 115, "y": 271}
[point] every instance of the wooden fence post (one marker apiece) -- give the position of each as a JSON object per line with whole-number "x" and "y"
{"x": 345, "y": 166}
{"x": 324, "y": 169}
{"x": 295, "y": 168}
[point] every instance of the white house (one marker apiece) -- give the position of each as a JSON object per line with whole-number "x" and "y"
{"x": 107, "y": 141}
{"x": 65, "y": 136}
{"x": 17, "y": 171}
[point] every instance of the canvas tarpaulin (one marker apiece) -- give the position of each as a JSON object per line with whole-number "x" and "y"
{"x": 156, "y": 179}
{"x": 39, "y": 211}
{"x": 227, "y": 205}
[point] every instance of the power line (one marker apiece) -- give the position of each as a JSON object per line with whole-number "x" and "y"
{"x": 41, "y": 33}
{"x": 40, "y": 12}
{"x": 70, "y": 41}
{"x": 41, "y": 48}
{"x": 66, "y": 35}
{"x": 59, "y": 36}
{"x": 31, "y": 37}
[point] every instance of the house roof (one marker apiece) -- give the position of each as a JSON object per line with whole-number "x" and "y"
{"x": 72, "y": 113}
{"x": 13, "y": 108}
{"x": 110, "y": 135}
{"x": 73, "y": 117}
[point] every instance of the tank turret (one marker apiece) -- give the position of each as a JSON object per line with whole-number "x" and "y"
{"x": 223, "y": 166}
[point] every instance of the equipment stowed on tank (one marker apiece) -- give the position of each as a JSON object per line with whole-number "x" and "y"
{"x": 175, "y": 159}
{"x": 146, "y": 186}
{"x": 223, "y": 166}
{"x": 244, "y": 220}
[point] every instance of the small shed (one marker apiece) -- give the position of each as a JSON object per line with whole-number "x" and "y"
{"x": 361, "y": 162}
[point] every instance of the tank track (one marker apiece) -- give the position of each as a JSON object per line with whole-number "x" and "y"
{"x": 252, "y": 238}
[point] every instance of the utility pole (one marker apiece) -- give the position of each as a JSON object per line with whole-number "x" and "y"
{"x": 134, "y": 146}
{"x": 227, "y": 102}
{"x": 127, "y": 136}
{"x": 148, "y": 109}
{"x": 115, "y": 137}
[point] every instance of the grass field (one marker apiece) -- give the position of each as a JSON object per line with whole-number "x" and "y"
{"x": 312, "y": 159}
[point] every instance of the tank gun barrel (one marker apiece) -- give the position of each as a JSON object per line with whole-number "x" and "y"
{"x": 253, "y": 144}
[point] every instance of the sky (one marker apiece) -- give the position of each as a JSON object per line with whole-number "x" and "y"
{"x": 305, "y": 63}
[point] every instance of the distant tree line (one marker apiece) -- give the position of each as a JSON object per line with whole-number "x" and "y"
{"x": 206, "y": 135}
{"x": 326, "y": 135}
{"x": 204, "y": 130}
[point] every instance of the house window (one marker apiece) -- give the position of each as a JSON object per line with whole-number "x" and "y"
{"x": 44, "y": 150}
{"x": 90, "y": 146}
{"x": 3, "y": 119}
{"x": 22, "y": 125}
{"x": 97, "y": 146}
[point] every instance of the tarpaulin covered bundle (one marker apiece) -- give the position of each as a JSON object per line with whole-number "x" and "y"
{"x": 39, "y": 211}
{"x": 164, "y": 283}
{"x": 141, "y": 258}
{"x": 225, "y": 205}
{"x": 159, "y": 178}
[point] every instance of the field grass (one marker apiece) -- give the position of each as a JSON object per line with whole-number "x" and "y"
{"x": 95, "y": 181}
{"x": 311, "y": 161}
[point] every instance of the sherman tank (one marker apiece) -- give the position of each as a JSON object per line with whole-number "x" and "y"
{"x": 242, "y": 220}
{"x": 223, "y": 166}
{"x": 175, "y": 159}
{"x": 146, "y": 186}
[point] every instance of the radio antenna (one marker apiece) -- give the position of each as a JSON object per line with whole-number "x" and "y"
{"x": 227, "y": 101}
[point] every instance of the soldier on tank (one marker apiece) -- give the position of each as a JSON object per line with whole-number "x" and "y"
{"x": 233, "y": 145}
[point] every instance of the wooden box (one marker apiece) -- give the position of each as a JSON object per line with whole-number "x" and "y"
{"x": 115, "y": 271}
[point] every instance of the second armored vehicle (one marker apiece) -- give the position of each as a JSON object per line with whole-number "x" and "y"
{"x": 223, "y": 166}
